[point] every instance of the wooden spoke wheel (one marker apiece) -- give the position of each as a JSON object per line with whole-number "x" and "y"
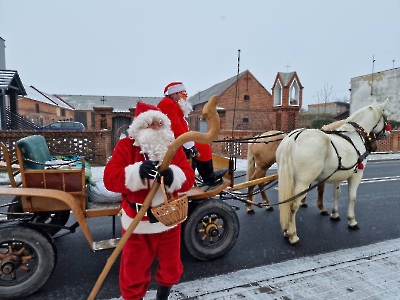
{"x": 211, "y": 230}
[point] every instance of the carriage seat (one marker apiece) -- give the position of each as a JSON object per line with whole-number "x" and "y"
{"x": 35, "y": 155}
{"x": 34, "y": 149}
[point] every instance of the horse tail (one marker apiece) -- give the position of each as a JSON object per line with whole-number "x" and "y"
{"x": 251, "y": 163}
{"x": 286, "y": 179}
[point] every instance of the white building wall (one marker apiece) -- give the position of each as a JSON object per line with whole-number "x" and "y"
{"x": 385, "y": 84}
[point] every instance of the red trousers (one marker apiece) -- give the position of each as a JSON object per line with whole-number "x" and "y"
{"x": 138, "y": 255}
{"x": 205, "y": 152}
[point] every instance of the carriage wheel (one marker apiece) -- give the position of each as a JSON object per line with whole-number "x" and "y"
{"x": 59, "y": 218}
{"x": 27, "y": 259}
{"x": 211, "y": 230}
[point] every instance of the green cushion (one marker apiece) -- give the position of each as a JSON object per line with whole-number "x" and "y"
{"x": 34, "y": 148}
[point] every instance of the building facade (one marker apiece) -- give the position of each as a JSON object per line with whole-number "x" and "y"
{"x": 377, "y": 87}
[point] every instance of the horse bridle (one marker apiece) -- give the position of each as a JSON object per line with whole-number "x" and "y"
{"x": 386, "y": 127}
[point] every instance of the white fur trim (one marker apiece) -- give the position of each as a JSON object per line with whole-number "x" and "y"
{"x": 188, "y": 145}
{"x": 179, "y": 179}
{"x": 175, "y": 88}
{"x": 132, "y": 178}
{"x": 145, "y": 119}
{"x": 144, "y": 227}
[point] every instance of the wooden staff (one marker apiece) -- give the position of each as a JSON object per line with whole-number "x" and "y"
{"x": 210, "y": 113}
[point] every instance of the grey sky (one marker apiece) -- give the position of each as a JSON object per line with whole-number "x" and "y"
{"x": 135, "y": 48}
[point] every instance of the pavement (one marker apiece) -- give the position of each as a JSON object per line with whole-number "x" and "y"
{"x": 369, "y": 272}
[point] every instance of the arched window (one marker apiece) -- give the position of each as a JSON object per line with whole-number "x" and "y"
{"x": 294, "y": 94}
{"x": 278, "y": 94}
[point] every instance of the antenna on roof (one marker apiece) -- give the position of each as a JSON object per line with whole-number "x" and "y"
{"x": 393, "y": 63}
{"x": 103, "y": 100}
{"x": 232, "y": 162}
{"x": 236, "y": 95}
{"x": 372, "y": 74}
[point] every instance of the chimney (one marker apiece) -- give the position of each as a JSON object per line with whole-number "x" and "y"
{"x": 2, "y": 54}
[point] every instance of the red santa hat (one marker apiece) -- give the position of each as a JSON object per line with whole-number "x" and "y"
{"x": 174, "y": 87}
{"x": 145, "y": 114}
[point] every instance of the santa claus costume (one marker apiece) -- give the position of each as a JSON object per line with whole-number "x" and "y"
{"x": 177, "y": 111}
{"x": 122, "y": 175}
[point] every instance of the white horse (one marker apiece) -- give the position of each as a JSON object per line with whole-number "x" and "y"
{"x": 308, "y": 155}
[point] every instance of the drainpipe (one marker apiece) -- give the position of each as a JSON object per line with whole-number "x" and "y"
{"x": 3, "y": 116}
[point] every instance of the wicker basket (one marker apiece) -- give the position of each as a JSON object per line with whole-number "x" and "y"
{"x": 172, "y": 211}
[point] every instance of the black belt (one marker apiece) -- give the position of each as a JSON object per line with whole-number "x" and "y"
{"x": 136, "y": 207}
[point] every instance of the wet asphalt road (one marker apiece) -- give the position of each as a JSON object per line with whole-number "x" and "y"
{"x": 260, "y": 240}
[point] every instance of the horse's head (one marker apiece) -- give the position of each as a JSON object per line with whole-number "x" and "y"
{"x": 373, "y": 120}
{"x": 382, "y": 129}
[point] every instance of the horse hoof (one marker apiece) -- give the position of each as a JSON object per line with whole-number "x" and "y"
{"x": 251, "y": 211}
{"x": 270, "y": 208}
{"x": 298, "y": 243}
{"x": 335, "y": 219}
{"x": 324, "y": 213}
{"x": 304, "y": 205}
{"x": 354, "y": 227}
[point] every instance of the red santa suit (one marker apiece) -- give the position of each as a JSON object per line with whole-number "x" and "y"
{"x": 180, "y": 126}
{"x": 149, "y": 240}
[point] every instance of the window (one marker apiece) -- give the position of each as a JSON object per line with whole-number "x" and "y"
{"x": 278, "y": 94}
{"x": 246, "y": 97}
{"x": 37, "y": 108}
{"x": 63, "y": 112}
{"x": 294, "y": 93}
{"x": 245, "y": 120}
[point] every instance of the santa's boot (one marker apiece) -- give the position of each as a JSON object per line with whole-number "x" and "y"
{"x": 163, "y": 292}
{"x": 207, "y": 173}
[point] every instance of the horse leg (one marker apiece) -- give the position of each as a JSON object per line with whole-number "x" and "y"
{"x": 291, "y": 232}
{"x": 336, "y": 194}
{"x": 249, "y": 207}
{"x": 265, "y": 199}
{"x": 351, "y": 216}
{"x": 320, "y": 200}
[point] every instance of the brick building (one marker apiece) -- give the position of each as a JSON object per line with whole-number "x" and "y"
{"x": 42, "y": 108}
{"x": 245, "y": 104}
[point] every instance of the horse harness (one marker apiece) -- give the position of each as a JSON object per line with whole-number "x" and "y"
{"x": 367, "y": 140}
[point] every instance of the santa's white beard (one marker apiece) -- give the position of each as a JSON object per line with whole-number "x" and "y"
{"x": 154, "y": 143}
{"x": 185, "y": 106}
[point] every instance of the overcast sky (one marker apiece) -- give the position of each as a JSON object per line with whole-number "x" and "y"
{"x": 135, "y": 48}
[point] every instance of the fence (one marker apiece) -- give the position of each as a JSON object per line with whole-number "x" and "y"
{"x": 239, "y": 149}
{"x": 96, "y": 145}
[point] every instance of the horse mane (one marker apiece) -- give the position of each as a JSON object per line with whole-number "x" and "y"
{"x": 334, "y": 125}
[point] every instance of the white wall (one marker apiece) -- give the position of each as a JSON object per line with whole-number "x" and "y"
{"x": 386, "y": 84}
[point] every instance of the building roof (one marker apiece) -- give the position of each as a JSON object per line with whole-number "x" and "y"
{"x": 286, "y": 77}
{"x": 118, "y": 103}
{"x": 34, "y": 94}
{"x": 217, "y": 89}
{"x": 337, "y": 103}
{"x": 10, "y": 81}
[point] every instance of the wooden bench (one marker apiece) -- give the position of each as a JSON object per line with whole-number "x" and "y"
{"x": 32, "y": 154}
